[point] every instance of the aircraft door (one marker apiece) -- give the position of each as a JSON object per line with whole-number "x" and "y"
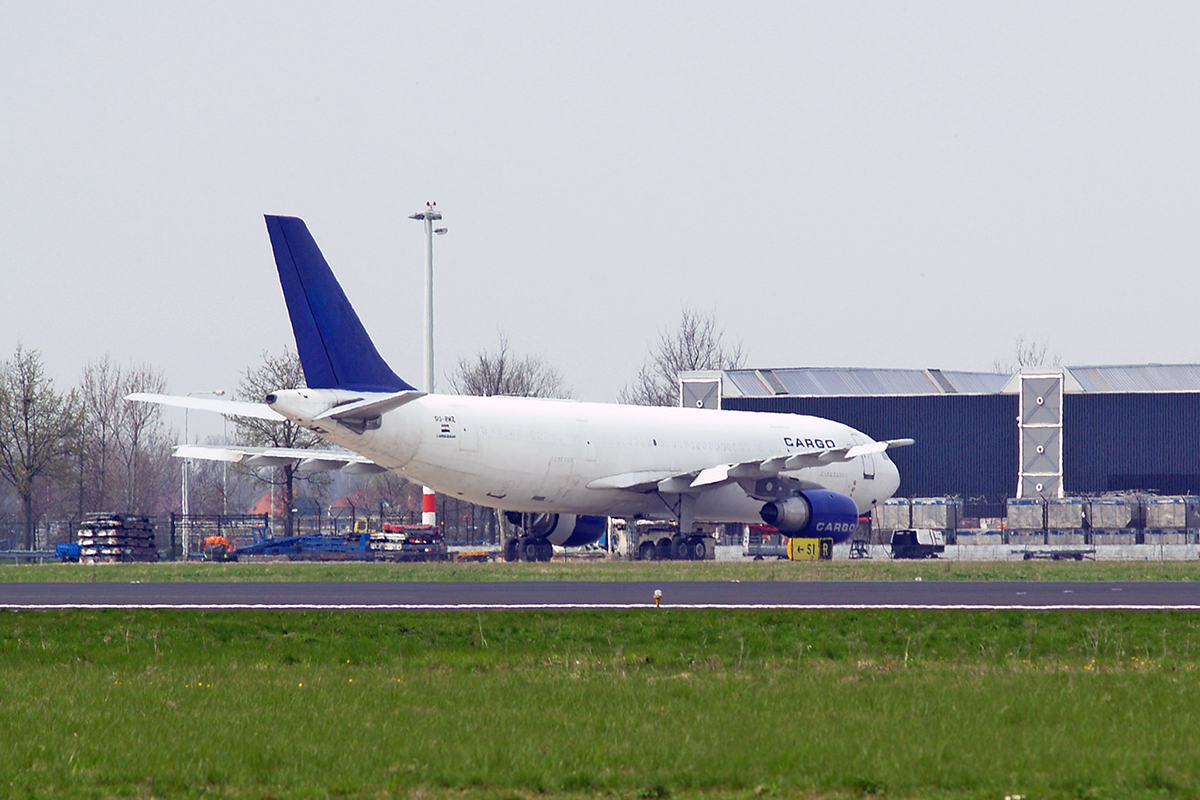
{"x": 868, "y": 461}
{"x": 558, "y": 473}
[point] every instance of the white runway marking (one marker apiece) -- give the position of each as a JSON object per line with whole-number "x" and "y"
{"x": 583, "y": 606}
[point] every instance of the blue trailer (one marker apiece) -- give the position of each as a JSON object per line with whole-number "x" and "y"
{"x": 68, "y": 551}
{"x": 312, "y": 547}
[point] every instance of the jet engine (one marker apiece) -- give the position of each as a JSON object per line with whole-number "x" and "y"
{"x": 569, "y": 530}
{"x": 816, "y": 513}
{"x": 565, "y": 530}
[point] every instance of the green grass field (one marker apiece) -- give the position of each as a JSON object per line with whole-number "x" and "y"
{"x": 596, "y": 570}
{"x": 628, "y": 704}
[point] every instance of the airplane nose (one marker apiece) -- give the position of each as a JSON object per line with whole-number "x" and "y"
{"x": 889, "y": 478}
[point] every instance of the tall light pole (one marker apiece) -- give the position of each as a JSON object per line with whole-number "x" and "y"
{"x": 187, "y": 476}
{"x": 429, "y": 216}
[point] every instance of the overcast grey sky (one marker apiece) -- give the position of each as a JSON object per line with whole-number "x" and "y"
{"x": 843, "y": 184}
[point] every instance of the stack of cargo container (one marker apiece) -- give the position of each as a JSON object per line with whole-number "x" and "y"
{"x": 1172, "y": 520}
{"x": 1119, "y": 519}
{"x": 934, "y": 513}
{"x": 938, "y": 514}
{"x": 1065, "y": 521}
{"x": 894, "y": 515}
{"x": 1115, "y": 520}
{"x": 1026, "y": 521}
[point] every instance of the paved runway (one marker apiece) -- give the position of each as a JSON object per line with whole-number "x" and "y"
{"x": 562, "y": 595}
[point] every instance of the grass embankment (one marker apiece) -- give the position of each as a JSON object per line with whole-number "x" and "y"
{"x": 631, "y": 704}
{"x": 597, "y": 570}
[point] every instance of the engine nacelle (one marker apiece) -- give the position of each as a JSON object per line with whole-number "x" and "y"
{"x": 564, "y": 530}
{"x": 816, "y": 513}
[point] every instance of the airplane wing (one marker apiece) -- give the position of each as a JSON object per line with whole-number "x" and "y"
{"x": 769, "y": 467}
{"x": 724, "y": 473}
{"x": 633, "y": 481}
{"x": 230, "y": 408}
{"x": 303, "y": 460}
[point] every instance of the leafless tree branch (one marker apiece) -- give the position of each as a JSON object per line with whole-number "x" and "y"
{"x": 696, "y": 343}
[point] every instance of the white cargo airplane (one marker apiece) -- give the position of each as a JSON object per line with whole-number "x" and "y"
{"x": 558, "y": 467}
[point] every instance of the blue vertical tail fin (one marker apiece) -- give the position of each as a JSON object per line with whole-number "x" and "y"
{"x": 334, "y": 347}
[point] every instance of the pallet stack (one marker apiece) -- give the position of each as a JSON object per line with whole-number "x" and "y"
{"x": 116, "y": 539}
{"x": 398, "y": 543}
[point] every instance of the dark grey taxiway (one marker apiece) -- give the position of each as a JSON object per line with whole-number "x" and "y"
{"x": 750, "y": 594}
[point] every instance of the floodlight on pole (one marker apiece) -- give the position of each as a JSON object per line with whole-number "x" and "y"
{"x": 429, "y": 216}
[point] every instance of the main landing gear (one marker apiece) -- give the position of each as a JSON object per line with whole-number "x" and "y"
{"x": 527, "y": 548}
{"x": 525, "y": 544}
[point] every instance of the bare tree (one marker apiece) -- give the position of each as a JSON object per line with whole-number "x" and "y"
{"x": 39, "y": 430}
{"x": 1028, "y": 354}
{"x": 143, "y": 442}
{"x": 501, "y": 373}
{"x": 278, "y": 372}
{"x": 125, "y": 460}
{"x": 102, "y": 401}
{"x": 384, "y": 493}
{"x": 695, "y": 344}
{"x": 215, "y": 488}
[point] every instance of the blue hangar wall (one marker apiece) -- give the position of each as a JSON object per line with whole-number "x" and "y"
{"x": 968, "y": 445}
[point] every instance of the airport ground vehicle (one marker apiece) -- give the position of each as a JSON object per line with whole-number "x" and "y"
{"x": 1074, "y": 554}
{"x": 68, "y": 551}
{"x": 647, "y": 540}
{"x": 312, "y": 547}
{"x": 392, "y": 543}
{"x": 219, "y": 548}
{"x": 917, "y": 543}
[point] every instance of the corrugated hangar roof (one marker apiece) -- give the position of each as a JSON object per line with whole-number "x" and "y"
{"x": 1139, "y": 378}
{"x": 843, "y": 382}
{"x": 866, "y": 382}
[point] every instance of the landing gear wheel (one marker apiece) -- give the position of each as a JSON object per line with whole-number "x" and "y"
{"x": 662, "y": 550}
{"x": 680, "y": 550}
{"x": 545, "y": 551}
{"x": 647, "y": 552}
{"x": 511, "y": 551}
{"x": 529, "y": 550}
{"x": 699, "y": 549}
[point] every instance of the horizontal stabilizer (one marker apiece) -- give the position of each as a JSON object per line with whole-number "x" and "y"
{"x": 303, "y": 460}
{"x": 230, "y": 408}
{"x": 369, "y": 407}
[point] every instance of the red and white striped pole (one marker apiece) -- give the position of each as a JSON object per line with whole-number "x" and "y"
{"x": 428, "y": 506}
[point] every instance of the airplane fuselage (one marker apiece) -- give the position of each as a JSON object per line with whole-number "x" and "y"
{"x": 532, "y": 455}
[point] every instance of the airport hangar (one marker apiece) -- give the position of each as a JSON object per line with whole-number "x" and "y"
{"x": 986, "y": 437}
